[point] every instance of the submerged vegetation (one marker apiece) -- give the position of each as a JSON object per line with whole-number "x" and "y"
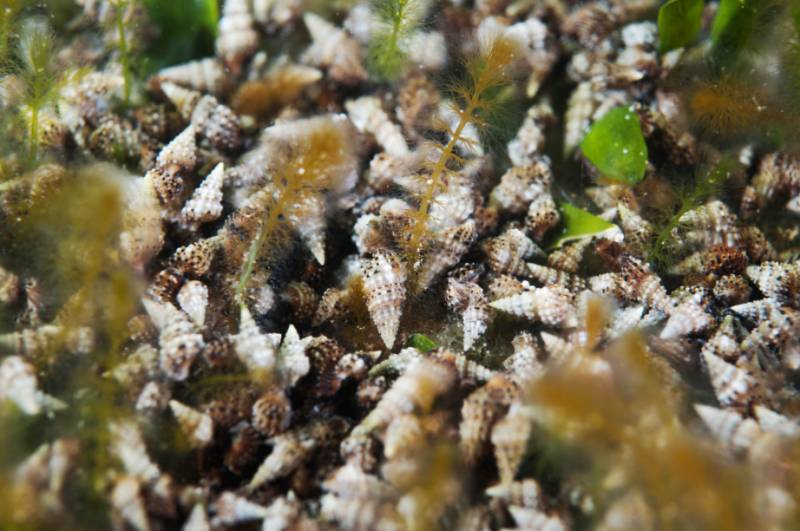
{"x": 260, "y": 266}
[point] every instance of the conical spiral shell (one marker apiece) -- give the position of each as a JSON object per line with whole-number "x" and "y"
{"x": 384, "y": 281}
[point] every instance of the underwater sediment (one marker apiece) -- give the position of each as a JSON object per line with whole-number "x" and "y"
{"x": 399, "y": 264}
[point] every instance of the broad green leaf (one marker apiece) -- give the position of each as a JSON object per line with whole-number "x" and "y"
{"x": 579, "y": 224}
{"x": 422, "y": 342}
{"x": 679, "y": 23}
{"x": 616, "y": 147}
{"x": 209, "y": 14}
{"x": 733, "y": 25}
{"x": 186, "y": 31}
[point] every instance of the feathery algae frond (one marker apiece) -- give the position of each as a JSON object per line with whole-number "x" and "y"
{"x": 488, "y": 70}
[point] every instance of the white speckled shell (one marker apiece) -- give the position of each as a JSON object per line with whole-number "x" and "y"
{"x": 206, "y": 202}
{"x": 732, "y": 385}
{"x": 368, "y": 116}
{"x": 193, "y": 299}
{"x": 507, "y": 253}
{"x": 203, "y": 75}
{"x": 550, "y": 305}
{"x": 198, "y": 427}
{"x": 334, "y": 49}
{"x": 384, "y": 287}
{"x": 254, "y": 348}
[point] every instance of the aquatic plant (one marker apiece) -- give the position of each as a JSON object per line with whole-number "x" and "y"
{"x": 40, "y": 79}
{"x": 312, "y": 162}
{"x": 186, "y": 31}
{"x": 122, "y": 11}
{"x": 488, "y": 71}
{"x": 8, "y": 16}
{"x": 328, "y": 323}
{"x": 616, "y": 147}
{"x": 679, "y": 23}
{"x": 398, "y": 20}
{"x": 579, "y": 224}
{"x": 689, "y": 196}
{"x": 588, "y": 409}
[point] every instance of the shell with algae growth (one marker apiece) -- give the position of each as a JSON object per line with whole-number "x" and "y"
{"x": 310, "y": 157}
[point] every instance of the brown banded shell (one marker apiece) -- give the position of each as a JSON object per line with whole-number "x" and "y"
{"x": 302, "y": 300}
{"x": 272, "y": 413}
{"x": 244, "y": 450}
{"x": 502, "y": 286}
{"x": 551, "y": 305}
{"x": 479, "y": 412}
{"x": 548, "y": 276}
{"x": 211, "y": 120}
{"x": 293, "y": 448}
{"x": 195, "y": 258}
{"x": 510, "y": 440}
{"x": 166, "y": 284}
{"x": 520, "y": 185}
{"x": 179, "y": 342}
{"x": 732, "y": 385}
{"x": 708, "y": 225}
{"x": 541, "y": 217}
{"x": 414, "y": 391}
{"x": 230, "y": 408}
{"x": 467, "y": 370}
{"x": 731, "y": 290}
{"x": 384, "y": 279}
{"x": 637, "y": 283}
{"x": 508, "y": 252}
{"x": 569, "y": 257}
{"x": 451, "y": 246}
{"x": 324, "y": 354}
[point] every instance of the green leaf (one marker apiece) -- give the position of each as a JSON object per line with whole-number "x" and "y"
{"x": 579, "y": 224}
{"x": 616, "y": 147}
{"x": 733, "y": 25}
{"x": 209, "y": 15}
{"x": 422, "y": 342}
{"x": 679, "y": 23}
{"x": 187, "y": 30}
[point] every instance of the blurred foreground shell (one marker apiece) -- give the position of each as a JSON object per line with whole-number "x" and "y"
{"x": 237, "y": 38}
